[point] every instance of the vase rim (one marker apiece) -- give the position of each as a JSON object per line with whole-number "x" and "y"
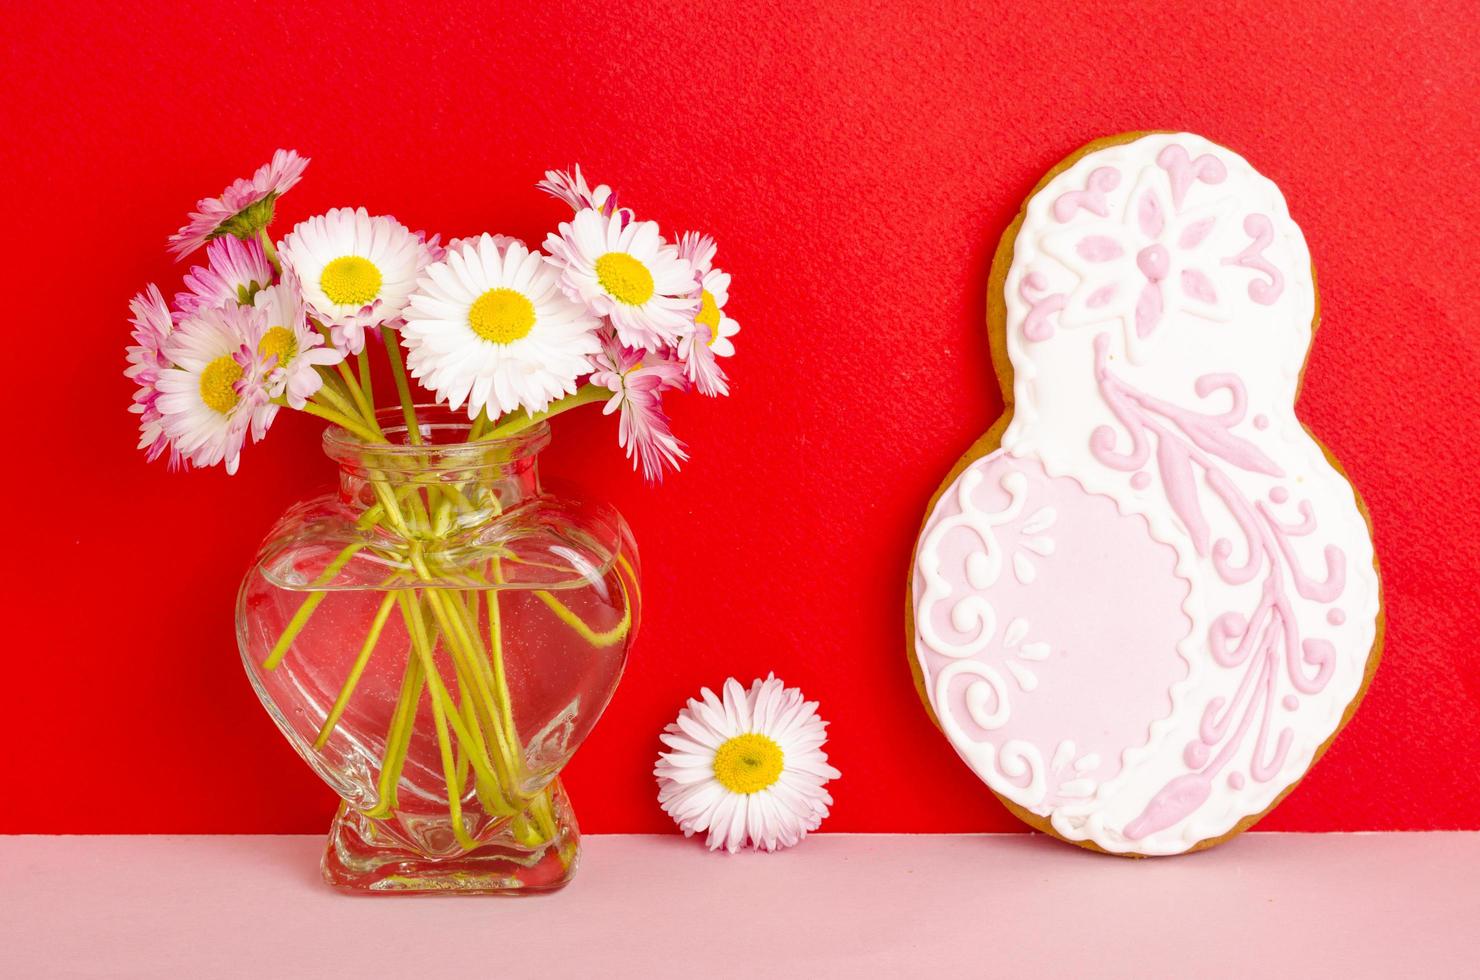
{"x": 445, "y": 443}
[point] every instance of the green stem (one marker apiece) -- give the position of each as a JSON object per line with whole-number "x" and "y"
{"x": 268, "y": 249}
{"x": 605, "y": 638}
{"x": 403, "y": 387}
{"x": 343, "y": 421}
{"x": 306, "y": 608}
{"x": 366, "y": 386}
{"x": 376, "y": 625}
{"x": 398, "y": 738}
{"x": 412, "y": 609}
{"x": 586, "y": 396}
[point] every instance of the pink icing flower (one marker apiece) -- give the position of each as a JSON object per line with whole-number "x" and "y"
{"x": 637, "y": 380}
{"x": 1159, "y": 257}
{"x": 244, "y": 208}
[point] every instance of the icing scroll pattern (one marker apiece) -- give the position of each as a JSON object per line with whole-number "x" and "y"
{"x": 970, "y": 612}
{"x": 1265, "y": 644}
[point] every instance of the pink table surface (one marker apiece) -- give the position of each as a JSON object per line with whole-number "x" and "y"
{"x": 838, "y": 906}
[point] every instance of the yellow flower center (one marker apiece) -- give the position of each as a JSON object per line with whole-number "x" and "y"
{"x": 278, "y": 342}
{"x": 501, "y": 315}
{"x": 216, "y": 384}
{"x": 748, "y": 763}
{"x": 624, "y": 278}
{"x": 350, "y": 281}
{"x": 708, "y": 315}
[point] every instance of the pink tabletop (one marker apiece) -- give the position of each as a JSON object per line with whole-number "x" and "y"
{"x": 838, "y": 906}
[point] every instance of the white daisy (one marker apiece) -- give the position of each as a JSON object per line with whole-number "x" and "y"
{"x": 748, "y": 768}
{"x": 214, "y": 394}
{"x": 570, "y": 186}
{"x": 491, "y": 326}
{"x": 624, "y": 270}
{"x": 234, "y": 271}
{"x": 710, "y": 335}
{"x": 356, "y": 271}
{"x": 290, "y": 349}
{"x": 153, "y": 324}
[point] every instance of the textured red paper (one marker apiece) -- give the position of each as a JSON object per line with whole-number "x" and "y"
{"x": 857, "y": 163}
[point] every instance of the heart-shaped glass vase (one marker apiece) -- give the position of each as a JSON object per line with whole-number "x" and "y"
{"x": 436, "y": 640}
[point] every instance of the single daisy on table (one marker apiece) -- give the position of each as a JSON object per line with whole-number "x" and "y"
{"x": 626, "y": 272}
{"x": 748, "y": 768}
{"x": 637, "y": 380}
{"x": 234, "y": 271}
{"x": 710, "y": 337}
{"x": 214, "y": 393}
{"x": 290, "y": 349}
{"x": 570, "y": 186}
{"x": 356, "y": 271}
{"x": 244, "y": 208}
{"x": 491, "y": 327}
{"x": 153, "y": 325}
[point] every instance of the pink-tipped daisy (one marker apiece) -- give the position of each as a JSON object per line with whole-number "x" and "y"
{"x": 626, "y": 272}
{"x": 491, "y": 327}
{"x": 234, "y": 271}
{"x": 709, "y": 338}
{"x": 435, "y": 250}
{"x": 291, "y": 350}
{"x": 570, "y": 186}
{"x": 748, "y": 768}
{"x": 500, "y": 242}
{"x": 152, "y": 325}
{"x": 215, "y": 392}
{"x": 244, "y": 208}
{"x": 356, "y": 271}
{"x": 637, "y": 380}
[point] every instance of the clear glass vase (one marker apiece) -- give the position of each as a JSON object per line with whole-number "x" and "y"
{"x": 436, "y": 640}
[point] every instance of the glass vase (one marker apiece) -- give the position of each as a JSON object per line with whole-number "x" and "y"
{"x": 436, "y": 639}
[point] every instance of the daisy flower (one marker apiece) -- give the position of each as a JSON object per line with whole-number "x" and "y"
{"x": 244, "y": 208}
{"x": 712, "y": 329}
{"x": 291, "y": 351}
{"x": 153, "y": 325}
{"x": 233, "y": 273}
{"x": 491, "y": 327}
{"x": 214, "y": 393}
{"x": 626, "y": 271}
{"x": 637, "y": 379}
{"x": 435, "y": 250}
{"x": 356, "y": 271}
{"x": 574, "y": 191}
{"x": 501, "y": 242}
{"x": 748, "y": 768}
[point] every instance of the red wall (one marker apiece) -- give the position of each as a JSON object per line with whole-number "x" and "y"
{"x": 857, "y": 164}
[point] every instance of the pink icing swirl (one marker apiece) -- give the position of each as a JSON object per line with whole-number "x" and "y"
{"x": 1101, "y": 181}
{"x": 1036, "y": 326}
{"x": 1259, "y": 228}
{"x": 1183, "y": 171}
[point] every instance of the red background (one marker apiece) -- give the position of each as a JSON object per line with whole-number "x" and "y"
{"x": 856, "y": 163}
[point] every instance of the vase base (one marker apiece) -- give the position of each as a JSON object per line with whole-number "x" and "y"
{"x": 363, "y": 857}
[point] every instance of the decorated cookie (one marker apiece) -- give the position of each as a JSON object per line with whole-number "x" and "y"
{"x": 1145, "y": 602}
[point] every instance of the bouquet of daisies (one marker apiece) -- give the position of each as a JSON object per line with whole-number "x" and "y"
{"x": 610, "y": 312}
